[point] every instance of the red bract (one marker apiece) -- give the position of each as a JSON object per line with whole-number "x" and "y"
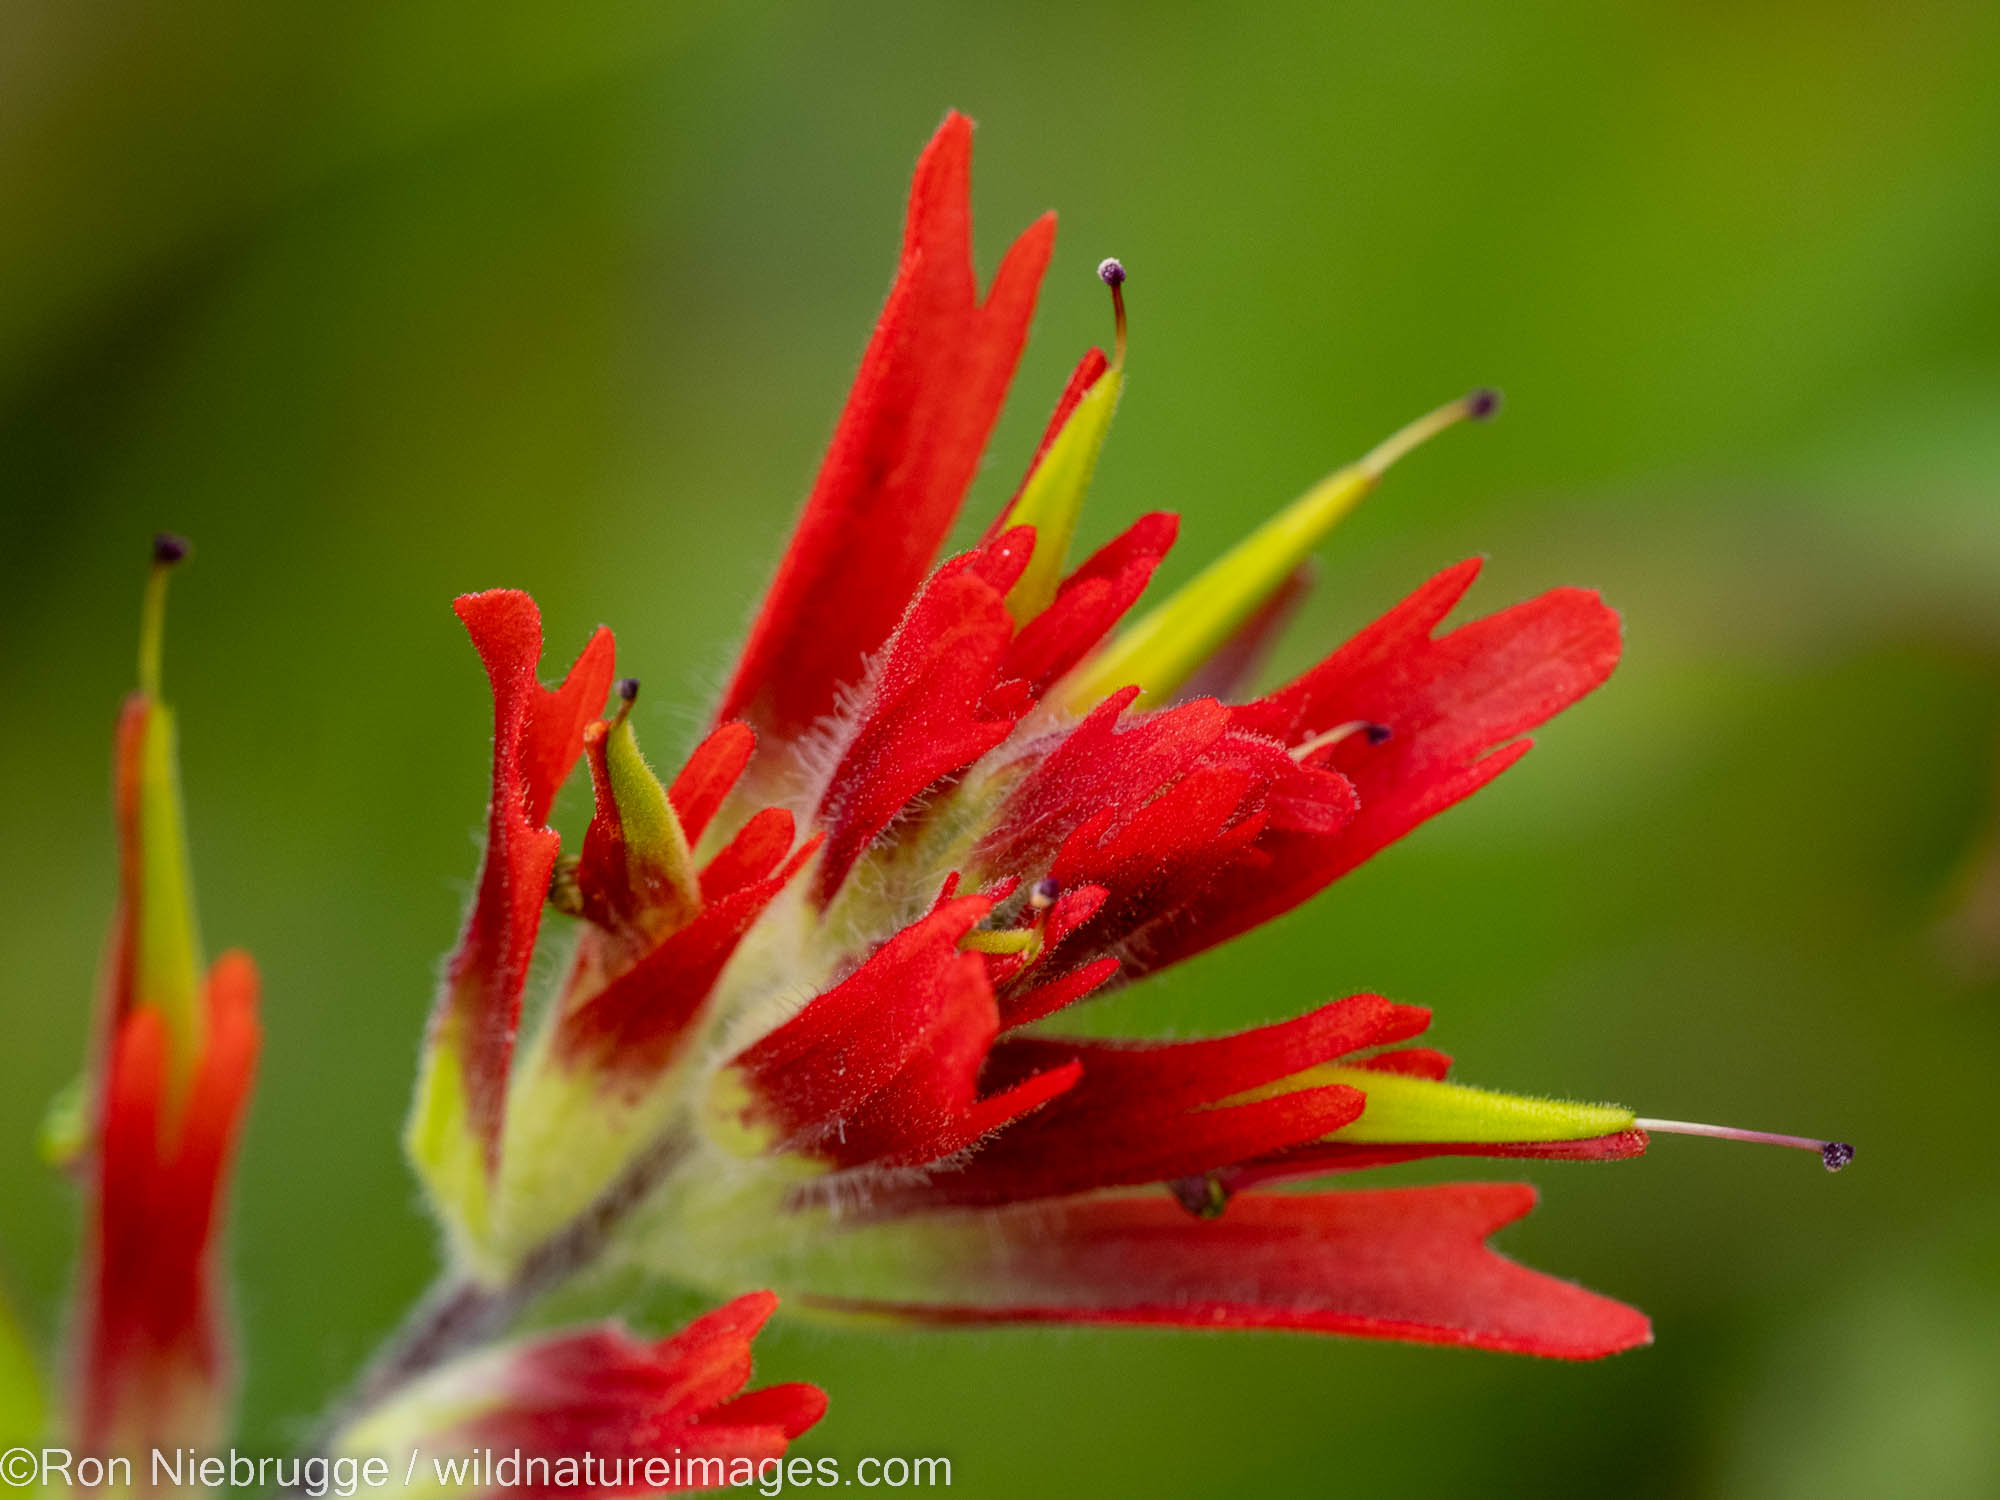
{"x": 929, "y": 390}
{"x": 1089, "y": 602}
{"x": 937, "y": 703}
{"x": 1153, "y": 810}
{"x": 1158, "y": 1111}
{"x": 884, "y": 1068}
{"x": 156, "y": 1362}
{"x": 537, "y": 736}
{"x": 1404, "y": 1263}
{"x": 597, "y": 1409}
{"x": 602, "y": 1391}
{"x": 1453, "y": 705}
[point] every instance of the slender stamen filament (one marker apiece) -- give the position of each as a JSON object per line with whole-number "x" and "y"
{"x": 1834, "y": 1154}
{"x": 168, "y": 549}
{"x": 627, "y": 689}
{"x": 1476, "y": 406}
{"x": 1112, "y": 271}
{"x": 1377, "y": 734}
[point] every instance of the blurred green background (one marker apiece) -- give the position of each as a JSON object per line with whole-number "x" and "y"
{"x": 381, "y": 302}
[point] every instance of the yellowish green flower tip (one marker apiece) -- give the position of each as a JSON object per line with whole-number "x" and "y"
{"x": 1001, "y": 940}
{"x": 166, "y": 958}
{"x": 1166, "y": 647}
{"x": 657, "y": 856}
{"x": 1406, "y": 1110}
{"x": 1052, "y": 499}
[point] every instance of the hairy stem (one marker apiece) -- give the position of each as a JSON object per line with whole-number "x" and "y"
{"x": 459, "y": 1314}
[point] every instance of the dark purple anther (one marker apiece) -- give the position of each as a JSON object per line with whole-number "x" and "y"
{"x": 169, "y": 549}
{"x": 1836, "y": 1154}
{"x": 1482, "y": 403}
{"x": 1111, "y": 270}
{"x": 628, "y": 688}
{"x": 1204, "y": 1196}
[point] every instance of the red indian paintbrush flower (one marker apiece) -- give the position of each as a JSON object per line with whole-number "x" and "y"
{"x": 175, "y": 1054}
{"x": 802, "y": 1029}
{"x": 597, "y": 1409}
{"x": 803, "y": 1038}
{"x": 152, "y": 1132}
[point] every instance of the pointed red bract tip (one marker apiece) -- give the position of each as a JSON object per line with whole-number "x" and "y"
{"x": 709, "y": 776}
{"x": 918, "y": 417}
{"x": 1455, "y": 705}
{"x": 537, "y": 737}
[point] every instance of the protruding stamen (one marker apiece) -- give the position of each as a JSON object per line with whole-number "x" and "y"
{"x": 1042, "y": 895}
{"x": 1834, "y": 1154}
{"x": 168, "y": 549}
{"x": 1111, "y": 271}
{"x": 1162, "y": 650}
{"x": 1376, "y": 734}
{"x": 1477, "y": 406}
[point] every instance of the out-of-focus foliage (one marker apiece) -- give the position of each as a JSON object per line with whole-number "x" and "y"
{"x": 20, "y": 1383}
{"x": 384, "y": 301}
